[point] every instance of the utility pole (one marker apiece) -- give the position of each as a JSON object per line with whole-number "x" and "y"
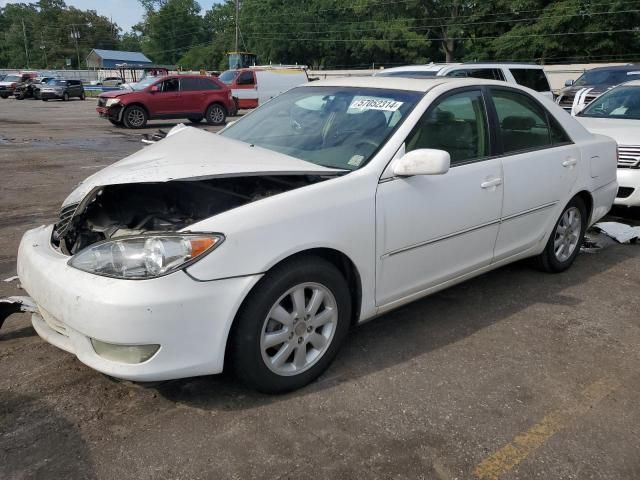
{"x": 43, "y": 47}
{"x": 75, "y": 34}
{"x": 237, "y": 22}
{"x": 26, "y": 49}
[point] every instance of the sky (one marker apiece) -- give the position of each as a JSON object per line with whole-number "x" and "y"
{"x": 125, "y": 13}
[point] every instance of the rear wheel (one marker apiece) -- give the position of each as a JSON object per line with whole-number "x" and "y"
{"x": 134, "y": 117}
{"x": 216, "y": 114}
{"x": 565, "y": 240}
{"x": 65, "y": 97}
{"x": 195, "y": 119}
{"x": 291, "y": 326}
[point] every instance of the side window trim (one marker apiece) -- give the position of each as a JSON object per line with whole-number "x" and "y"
{"x": 492, "y": 135}
{"x": 495, "y": 123}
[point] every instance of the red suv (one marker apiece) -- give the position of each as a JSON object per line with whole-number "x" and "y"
{"x": 174, "y": 96}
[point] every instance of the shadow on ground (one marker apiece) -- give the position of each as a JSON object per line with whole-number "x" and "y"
{"x": 414, "y": 330}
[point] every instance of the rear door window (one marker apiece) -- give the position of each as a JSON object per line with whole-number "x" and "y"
{"x": 189, "y": 84}
{"x": 208, "y": 84}
{"x": 522, "y": 121}
{"x": 533, "y": 78}
{"x": 486, "y": 73}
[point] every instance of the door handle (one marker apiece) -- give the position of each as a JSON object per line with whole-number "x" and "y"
{"x": 569, "y": 162}
{"x": 494, "y": 182}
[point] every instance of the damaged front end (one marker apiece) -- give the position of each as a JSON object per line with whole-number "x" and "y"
{"x": 125, "y": 210}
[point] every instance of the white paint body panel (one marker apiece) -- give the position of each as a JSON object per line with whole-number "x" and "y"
{"x": 625, "y": 132}
{"x": 271, "y": 83}
{"x": 368, "y": 215}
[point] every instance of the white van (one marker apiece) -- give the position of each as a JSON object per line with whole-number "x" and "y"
{"x": 526, "y": 74}
{"x": 256, "y": 85}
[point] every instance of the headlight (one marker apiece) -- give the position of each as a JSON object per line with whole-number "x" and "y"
{"x": 112, "y": 101}
{"x": 146, "y": 256}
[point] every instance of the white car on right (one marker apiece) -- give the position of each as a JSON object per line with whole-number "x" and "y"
{"x": 616, "y": 114}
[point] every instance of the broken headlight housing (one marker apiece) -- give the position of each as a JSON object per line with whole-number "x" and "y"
{"x": 145, "y": 256}
{"x": 111, "y": 102}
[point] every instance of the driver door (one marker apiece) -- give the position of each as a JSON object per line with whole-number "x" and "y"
{"x": 433, "y": 228}
{"x": 166, "y": 101}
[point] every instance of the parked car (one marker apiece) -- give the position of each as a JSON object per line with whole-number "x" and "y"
{"x": 62, "y": 89}
{"x": 528, "y": 75}
{"x": 10, "y": 82}
{"x": 595, "y": 82}
{"x": 617, "y": 114}
{"x": 329, "y": 205}
{"x": 175, "y": 96}
{"x": 27, "y": 89}
{"x": 254, "y": 86}
{"x": 108, "y": 82}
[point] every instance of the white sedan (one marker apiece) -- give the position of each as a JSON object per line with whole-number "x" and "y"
{"x": 617, "y": 114}
{"x": 335, "y": 202}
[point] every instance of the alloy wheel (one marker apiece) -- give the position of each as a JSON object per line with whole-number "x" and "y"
{"x": 567, "y": 234}
{"x": 299, "y": 329}
{"x": 216, "y": 115}
{"x": 135, "y": 117}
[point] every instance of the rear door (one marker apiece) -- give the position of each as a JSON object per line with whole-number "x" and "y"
{"x": 540, "y": 164}
{"x": 191, "y": 95}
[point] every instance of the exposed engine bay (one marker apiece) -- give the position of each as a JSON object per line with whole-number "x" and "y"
{"x": 131, "y": 209}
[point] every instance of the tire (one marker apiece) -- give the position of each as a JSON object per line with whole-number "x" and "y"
{"x": 82, "y": 96}
{"x": 135, "y": 117}
{"x": 215, "y": 114}
{"x": 566, "y": 238}
{"x": 115, "y": 122}
{"x": 45, "y": 99}
{"x": 4, "y": 97}
{"x": 255, "y": 361}
{"x": 195, "y": 119}
{"x": 65, "y": 97}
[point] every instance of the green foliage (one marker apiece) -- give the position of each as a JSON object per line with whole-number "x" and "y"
{"x": 330, "y": 33}
{"x": 48, "y": 28}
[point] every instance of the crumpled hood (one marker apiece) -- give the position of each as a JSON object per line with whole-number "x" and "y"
{"x": 193, "y": 154}
{"x": 115, "y": 93}
{"x": 624, "y": 132}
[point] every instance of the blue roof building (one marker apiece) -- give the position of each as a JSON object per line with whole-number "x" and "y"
{"x": 110, "y": 58}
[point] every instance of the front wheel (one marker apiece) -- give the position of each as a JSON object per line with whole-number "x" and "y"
{"x": 134, "y": 117}
{"x": 565, "y": 240}
{"x": 216, "y": 114}
{"x": 65, "y": 97}
{"x": 291, "y": 326}
{"x": 82, "y": 96}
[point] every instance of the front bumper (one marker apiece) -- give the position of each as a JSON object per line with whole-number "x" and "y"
{"x": 49, "y": 95}
{"x": 190, "y": 320}
{"x": 113, "y": 113}
{"x": 629, "y": 187}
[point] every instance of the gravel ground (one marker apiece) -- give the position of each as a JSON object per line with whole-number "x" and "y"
{"x": 515, "y": 374}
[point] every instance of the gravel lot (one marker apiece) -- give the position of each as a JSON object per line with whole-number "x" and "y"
{"x": 516, "y": 374}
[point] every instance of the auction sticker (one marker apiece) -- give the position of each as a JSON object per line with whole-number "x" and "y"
{"x": 375, "y": 104}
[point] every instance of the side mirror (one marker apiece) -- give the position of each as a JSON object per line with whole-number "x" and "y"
{"x": 154, "y": 89}
{"x": 424, "y": 161}
{"x": 568, "y": 83}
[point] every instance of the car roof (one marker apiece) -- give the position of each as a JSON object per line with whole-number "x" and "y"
{"x": 402, "y": 83}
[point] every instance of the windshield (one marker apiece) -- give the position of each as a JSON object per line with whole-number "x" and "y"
{"x": 56, "y": 82}
{"x": 605, "y": 77}
{"x": 338, "y": 127}
{"x": 621, "y": 102}
{"x": 12, "y": 78}
{"x": 142, "y": 84}
{"x": 228, "y": 76}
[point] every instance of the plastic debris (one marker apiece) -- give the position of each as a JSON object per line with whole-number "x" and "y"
{"x": 619, "y": 231}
